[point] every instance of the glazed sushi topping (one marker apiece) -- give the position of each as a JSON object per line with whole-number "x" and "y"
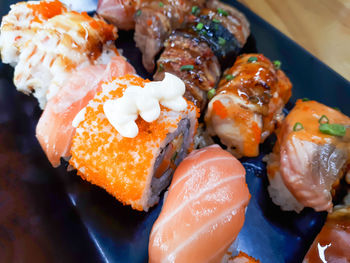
{"x": 123, "y": 112}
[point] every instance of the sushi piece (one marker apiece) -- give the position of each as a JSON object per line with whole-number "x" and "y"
{"x": 21, "y": 24}
{"x": 233, "y": 20}
{"x": 154, "y": 22}
{"x": 332, "y": 244}
{"x": 203, "y": 210}
{"x": 55, "y": 130}
{"x": 222, "y": 27}
{"x": 248, "y": 104}
{"x": 210, "y": 40}
{"x": 65, "y": 42}
{"x": 130, "y": 157}
{"x": 194, "y": 62}
{"x": 119, "y": 12}
{"x": 310, "y": 157}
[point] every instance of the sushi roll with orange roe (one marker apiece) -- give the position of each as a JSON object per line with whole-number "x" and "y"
{"x": 134, "y": 170}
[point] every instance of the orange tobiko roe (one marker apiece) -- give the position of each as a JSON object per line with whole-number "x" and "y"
{"x": 47, "y": 10}
{"x": 118, "y": 164}
{"x": 220, "y": 109}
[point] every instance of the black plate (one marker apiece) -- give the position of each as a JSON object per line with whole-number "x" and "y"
{"x": 49, "y": 215}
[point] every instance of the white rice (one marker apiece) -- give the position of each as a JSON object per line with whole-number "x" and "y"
{"x": 279, "y": 193}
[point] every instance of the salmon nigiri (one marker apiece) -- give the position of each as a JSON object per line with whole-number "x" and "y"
{"x": 310, "y": 157}
{"x": 203, "y": 211}
{"x": 55, "y": 130}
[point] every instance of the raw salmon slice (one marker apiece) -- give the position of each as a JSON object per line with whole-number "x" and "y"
{"x": 307, "y": 163}
{"x": 203, "y": 211}
{"x": 54, "y": 130}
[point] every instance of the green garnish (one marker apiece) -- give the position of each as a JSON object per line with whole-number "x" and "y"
{"x": 173, "y": 158}
{"x": 160, "y": 67}
{"x": 222, "y": 12}
{"x": 187, "y": 67}
{"x": 211, "y": 93}
{"x": 277, "y": 64}
{"x": 305, "y": 99}
{"x": 229, "y": 77}
{"x": 298, "y": 126}
{"x": 161, "y": 4}
{"x": 333, "y": 129}
{"x": 216, "y": 20}
{"x": 199, "y": 26}
{"x": 195, "y": 10}
{"x": 216, "y": 26}
{"x": 252, "y": 59}
{"x": 203, "y": 32}
{"x": 336, "y": 108}
{"x": 222, "y": 41}
{"x": 323, "y": 119}
{"x": 138, "y": 13}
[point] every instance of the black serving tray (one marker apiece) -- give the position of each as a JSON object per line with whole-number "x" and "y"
{"x": 51, "y": 215}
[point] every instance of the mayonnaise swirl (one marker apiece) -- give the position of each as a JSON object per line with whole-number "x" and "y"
{"x": 123, "y": 112}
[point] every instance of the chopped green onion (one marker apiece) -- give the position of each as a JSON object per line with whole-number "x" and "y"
{"x": 222, "y": 41}
{"x": 160, "y": 67}
{"x": 252, "y": 59}
{"x": 277, "y": 64}
{"x": 187, "y": 67}
{"x": 211, "y": 93}
{"x": 336, "y": 108}
{"x": 199, "y": 26}
{"x": 138, "y": 13}
{"x": 298, "y": 126}
{"x": 203, "y": 32}
{"x": 229, "y": 77}
{"x": 195, "y": 10}
{"x": 305, "y": 99}
{"x": 333, "y": 129}
{"x": 216, "y": 20}
{"x": 173, "y": 158}
{"x": 222, "y": 12}
{"x": 323, "y": 119}
{"x": 161, "y": 4}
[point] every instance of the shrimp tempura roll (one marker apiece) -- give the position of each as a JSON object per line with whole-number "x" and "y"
{"x": 132, "y": 136}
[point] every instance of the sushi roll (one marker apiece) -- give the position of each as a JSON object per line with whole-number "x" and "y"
{"x": 194, "y": 62}
{"x": 55, "y": 129}
{"x": 203, "y": 211}
{"x": 154, "y": 22}
{"x": 133, "y": 157}
{"x": 209, "y": 41}
{"x": 53, "y": 47}
{"x": 248, "y": 104}
{"x": 311, "y": 155}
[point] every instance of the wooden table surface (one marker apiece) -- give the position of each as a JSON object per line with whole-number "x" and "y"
{"x": 320, "y": 26}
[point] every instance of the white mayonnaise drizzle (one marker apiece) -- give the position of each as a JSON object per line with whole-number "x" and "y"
{"x": 123, "y": 112}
